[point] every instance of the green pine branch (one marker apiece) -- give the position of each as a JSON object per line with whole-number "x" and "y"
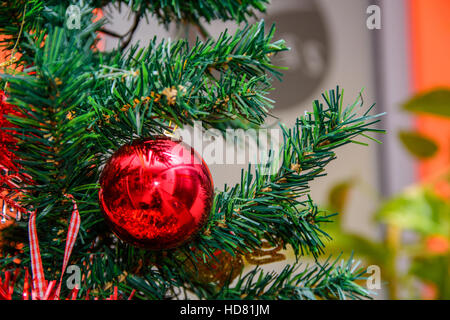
{"x": 21, "y": 22}
{"x": 277, "y": 206}
{"x": 79, "y": 105}
{"x": 56, "y": 150}
{"x": 214, "y": 82}
{"x": 245, "y": 215}
{"x": 328, "y": 280}
{"x": 193, "y": 11}
{"x": 41, "y": 14}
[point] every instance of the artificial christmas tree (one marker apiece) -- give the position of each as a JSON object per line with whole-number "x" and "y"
{"x": 156, "y": 193}
{"x": 74, "y": 106}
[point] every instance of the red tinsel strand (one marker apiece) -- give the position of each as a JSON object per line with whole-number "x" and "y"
{"x": 8, "y": 281}
{"x": 10, "y": 176}
{"x": 7, "y": 141}
{"x": 7, "y": 285}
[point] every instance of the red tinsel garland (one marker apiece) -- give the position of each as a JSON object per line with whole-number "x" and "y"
{"x": 8, "y": 281}
{"x": 10, "y": 176}
{"x": 7, "y": 141}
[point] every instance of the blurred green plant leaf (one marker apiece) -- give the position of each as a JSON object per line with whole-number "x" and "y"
{"x": 435, "y": 102}
{"x": 345, "y": 242}
{"x": 418, "y": 209}
{"x": 417, "y": 144}
{"x": 434, "y": 269}
{"x": 338, "y": 195}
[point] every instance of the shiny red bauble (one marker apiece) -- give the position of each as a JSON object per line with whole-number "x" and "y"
{"x": 156, "y": 193}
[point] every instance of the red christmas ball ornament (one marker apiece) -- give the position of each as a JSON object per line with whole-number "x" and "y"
{"x": 156, "y": 193}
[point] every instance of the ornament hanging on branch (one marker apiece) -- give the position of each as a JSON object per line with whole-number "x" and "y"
{"x": 156, "y": 193}
{"x": 219, "y": 268}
